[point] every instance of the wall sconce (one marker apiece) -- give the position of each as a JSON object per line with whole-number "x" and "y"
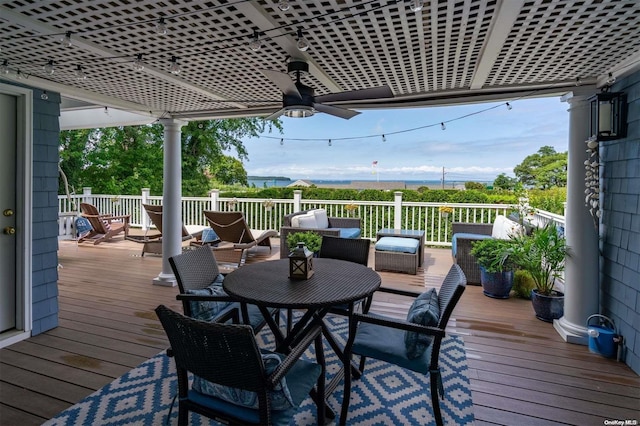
{"x": 300, "y": 263}
{"x": 608, "y": 116}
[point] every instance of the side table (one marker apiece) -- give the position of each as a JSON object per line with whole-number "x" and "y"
{"x": 405, "y": 233}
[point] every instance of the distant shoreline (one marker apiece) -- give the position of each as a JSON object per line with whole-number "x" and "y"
{"x": 357, "y": 183}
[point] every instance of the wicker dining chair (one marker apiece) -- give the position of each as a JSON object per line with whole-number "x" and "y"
{"x": 413, "y": 344}
{"x": 234, "y": 380}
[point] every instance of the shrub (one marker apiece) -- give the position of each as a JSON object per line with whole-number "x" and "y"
{"x": 523, "y": 284}
{"x": 309, "y": 238}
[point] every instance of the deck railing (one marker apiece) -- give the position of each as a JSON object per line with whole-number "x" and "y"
{"x": 264, "y": 214}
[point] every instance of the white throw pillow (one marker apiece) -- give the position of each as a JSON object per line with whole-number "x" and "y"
{"x": 308, "y": 221}
{"x": 504, "y": 228}
{"x": 322, "y": 221}
{"x": 295, "y": 221}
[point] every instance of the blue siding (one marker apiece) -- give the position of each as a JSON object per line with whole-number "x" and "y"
{"x": 620, "y": 292}
{"x": 46, "y": 130}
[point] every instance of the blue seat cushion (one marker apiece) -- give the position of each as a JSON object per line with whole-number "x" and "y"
{"x": 398, "y": 244}
{"x": 425, "y": 310}
{"x": 209, "y": 310}
{"x": 349, "y": 232}
{"x": 454, "y": 248}
{"x": 209, "y": 236}
{"x": 387, "y": 344}
{"x": 299, "y": 381}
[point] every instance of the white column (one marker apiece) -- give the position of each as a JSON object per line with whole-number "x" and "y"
{"x": 171, "y": 200}
{"x": 297, "y": 200}
{"x": 397, "y": 206}
{"x": 581, "y": 271}
{"x": 143, "y": 214}
{"x": 215, "y": 196}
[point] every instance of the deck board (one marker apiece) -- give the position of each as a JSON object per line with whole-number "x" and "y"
{"x": 521, "y": 371}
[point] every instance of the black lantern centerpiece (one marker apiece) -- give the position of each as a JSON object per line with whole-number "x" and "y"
{"x": 300, "y": 263}
{"x": 608, "y": 116}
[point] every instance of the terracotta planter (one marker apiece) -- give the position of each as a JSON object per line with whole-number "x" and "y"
{"x": 547, "y": 308}
{"x": 496, "y": 284}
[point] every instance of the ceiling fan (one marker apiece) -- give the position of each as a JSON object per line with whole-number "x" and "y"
{"x": 299, "y": 101}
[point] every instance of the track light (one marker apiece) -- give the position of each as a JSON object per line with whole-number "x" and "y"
{"x": 4, "y": 68}
{"x": 611, "y": 79}
{"x": 66, "y": 39}
{"x": 44, "y": 96}
{"x": 284, "y": 5}
{"x": 416, "y": 5}
{"x": 161, "y": 27}
{"x": 175, "y": 66}
{"x": 303, "y": 43}
{"x": 509, "y": 107}
{"x": 138, "y": 64}
{"x": 48, "y": 67}
{"x": 79, "y": 73}
{"x": 442, "y": 126}
{"x": 255, "y": 44}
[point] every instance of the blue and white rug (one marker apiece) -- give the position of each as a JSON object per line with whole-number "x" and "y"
{"x": 384, "y": 395}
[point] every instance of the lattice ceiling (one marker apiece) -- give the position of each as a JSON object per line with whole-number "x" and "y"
{"x": 470, "y": 49}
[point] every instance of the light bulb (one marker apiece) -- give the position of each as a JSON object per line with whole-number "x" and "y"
{"x": 175, "y": 66}
{"x": 509, "y": 107}
{"x": 4, "y": 68}
{"x": 49, "y": 68}
{"x": 66, "y": 39}
{"x": 281, "y": 141}
{"x": 284, "y": 5}
{"x": 44, "y": 96}
{"x": 416, "y": 5}
{"x": 255, "y": 44}
{"x": 329, "y": 142}
{"x": 303, "y": 43}
{"x": 106, "y": 110}
{"x": 79, "y": 73}
{"x": 19, "y": 75}
{"x": 161, "y": 27}
{"x": 442, "y": 126}
{"x": 578, "y": 81}
{"x": 138, "y": 64}
{"x": 384, "y": 138}
{"x": 611, "y": 79}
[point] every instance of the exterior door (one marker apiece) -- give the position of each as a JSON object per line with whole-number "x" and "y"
{"x": 8, "y": 281}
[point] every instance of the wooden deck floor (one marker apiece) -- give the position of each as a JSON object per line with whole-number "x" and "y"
{"x": 521, "y": 372}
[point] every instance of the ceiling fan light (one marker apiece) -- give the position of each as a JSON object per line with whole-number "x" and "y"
{"x": 416, "y": 5}
{"x": 299, "y": 112}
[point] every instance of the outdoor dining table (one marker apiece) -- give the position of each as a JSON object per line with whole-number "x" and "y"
{"x": 334, "y": 282}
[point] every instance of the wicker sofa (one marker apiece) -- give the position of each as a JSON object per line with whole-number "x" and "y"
{"x": 465, "y": 234}
{"x": 345, "y": 227}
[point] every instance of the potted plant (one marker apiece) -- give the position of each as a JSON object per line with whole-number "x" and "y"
{"x": 445, "y": 210}
{"x": 310, "y": 239}
{"x": 542, "y": 254}
{"x": 495, "y": 258}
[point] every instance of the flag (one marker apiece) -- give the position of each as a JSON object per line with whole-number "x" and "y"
{"x": 375, "y": 163}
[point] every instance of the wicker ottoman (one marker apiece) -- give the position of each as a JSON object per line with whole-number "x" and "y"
{"x": 397, "y": 254}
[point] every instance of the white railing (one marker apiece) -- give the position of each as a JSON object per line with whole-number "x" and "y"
{"x": 264, "y": 214}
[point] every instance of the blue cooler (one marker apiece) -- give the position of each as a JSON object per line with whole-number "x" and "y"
{"x": 601, "y": 337}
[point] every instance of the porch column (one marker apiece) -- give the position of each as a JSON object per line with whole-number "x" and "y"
{"x": 581, "y": 267}
{"x": 171, "y": 200}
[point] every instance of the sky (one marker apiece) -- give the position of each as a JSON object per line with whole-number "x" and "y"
{"x": 479, "y": 147}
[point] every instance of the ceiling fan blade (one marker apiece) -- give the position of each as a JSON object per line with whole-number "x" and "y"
{"x": 357, "y": 95}
{"x": 275, "y": 115}
{"x": 338, "y": 112}
{"x": 283, "y": 81}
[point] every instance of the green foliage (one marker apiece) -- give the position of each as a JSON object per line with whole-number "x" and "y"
{"x": 544, "y": 169}
{"x": 470, "y": 196}
{"x": 474, "y": 185}
{"x": 504, "y": 182}
{"x": 551, "y": 200}
{"x": 494, "y": 255}
{"x": 229, "y": 171}
{"x": 311, "y": 239}
{"x": 542, "y": 254}
{"x": 523, "y": 284}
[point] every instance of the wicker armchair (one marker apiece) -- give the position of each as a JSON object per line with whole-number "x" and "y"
{"x": 228, "y": 355}
{"x": 335, "y": 223}
{"x": 464, "y": 244}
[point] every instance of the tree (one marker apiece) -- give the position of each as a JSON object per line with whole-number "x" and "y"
{"x": 474, "y": 185}
{"x": 505, "y": 182}
{"x": 544, "y": 169}
{"x": 122, "y": 160}
{"x": 229, "y": 171}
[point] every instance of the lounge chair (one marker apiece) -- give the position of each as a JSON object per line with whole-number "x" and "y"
{"x": 152, "y": 243}
{"x": 105, "y": 226}
{"x": 235, "y": 235}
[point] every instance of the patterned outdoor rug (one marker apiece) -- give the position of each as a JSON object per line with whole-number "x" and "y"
{"x": 385, "y": 395}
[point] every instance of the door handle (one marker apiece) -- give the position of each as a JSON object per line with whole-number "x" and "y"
{"x": 7, "y": 212}
{"x": 9, "y": 230}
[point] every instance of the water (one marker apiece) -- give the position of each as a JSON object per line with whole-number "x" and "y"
{"x": 261, "y": 182}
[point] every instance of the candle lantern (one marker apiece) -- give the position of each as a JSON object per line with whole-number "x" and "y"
{"x": 608, "y": 116}
{"x": 300, "y": 263}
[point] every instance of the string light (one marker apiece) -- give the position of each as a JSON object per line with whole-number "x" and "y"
{"x": 19, "y": 75}
{"x": 255, "y": 44}
{"x": 509, "y": 107}
{"x": 329, "y": 142}
{"x": 384, "y": 138}
{"x": 303, "y": 43}
{"x": 281, "y": 141}
{"x": 48, "y": 67}
{"x": 442, "y": 126}
{"x": 578, "y": 81}
{"x": 161, "y": 27}
{"x": 79, "y": 73}
{"x": 44, "y": 96}
{"x": 138, "y": 64}
{"x": 416, "y": 5}
{"x": 284, "y": 5}
{"x": 66, "y": 39}
{"x": 4, "y": 68}
{"x": 106, "y": 110}
{"x": 175, "y": 66}
{"x": 611, "y": 79}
